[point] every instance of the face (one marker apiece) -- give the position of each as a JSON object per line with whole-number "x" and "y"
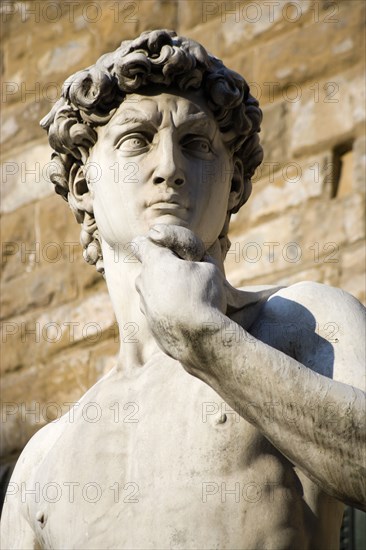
{"x": 160, "y": 159}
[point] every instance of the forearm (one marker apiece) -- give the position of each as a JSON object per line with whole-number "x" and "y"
{"x": 318, "y": 423}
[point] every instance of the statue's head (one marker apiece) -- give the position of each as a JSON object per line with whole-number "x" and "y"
{"x": 157, "y": 118}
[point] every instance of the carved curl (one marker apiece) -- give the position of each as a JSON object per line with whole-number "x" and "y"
{"x": 91, "y": 96}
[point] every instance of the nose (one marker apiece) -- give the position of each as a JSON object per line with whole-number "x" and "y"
{"x": 168, "y": 168}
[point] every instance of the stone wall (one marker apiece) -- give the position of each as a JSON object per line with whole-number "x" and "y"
{"x": 305, "y": 219}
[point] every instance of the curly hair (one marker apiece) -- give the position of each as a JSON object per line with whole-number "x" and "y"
{"x": 91, "y": 96}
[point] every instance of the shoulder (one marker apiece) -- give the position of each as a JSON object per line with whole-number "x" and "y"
{"x": 318, "y": 295}
{"x": 314, "y": 302}
{"x": 18, "y": 522}
{"x": 329, "y": 310}
{"x": 33, "y": 455}
{"x": 321, "y": 326}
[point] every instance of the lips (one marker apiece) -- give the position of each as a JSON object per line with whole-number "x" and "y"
{"x": 166, "y": 202}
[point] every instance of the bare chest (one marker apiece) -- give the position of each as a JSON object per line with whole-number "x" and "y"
{"x": 146, "y": 464}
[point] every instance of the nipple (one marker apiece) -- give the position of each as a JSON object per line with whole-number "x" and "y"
{"x": 221, "y": 419}
{"x": 41, "y": 518}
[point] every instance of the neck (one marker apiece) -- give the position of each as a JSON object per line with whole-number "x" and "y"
{"x": 137, "y": 342}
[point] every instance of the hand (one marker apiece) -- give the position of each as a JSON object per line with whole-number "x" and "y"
{"x": 181, "y": 288}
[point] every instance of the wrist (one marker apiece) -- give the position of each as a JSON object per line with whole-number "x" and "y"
{"x": 204, "y": 343}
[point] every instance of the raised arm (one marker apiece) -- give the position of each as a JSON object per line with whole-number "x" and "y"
{"x": 316, "y": 422}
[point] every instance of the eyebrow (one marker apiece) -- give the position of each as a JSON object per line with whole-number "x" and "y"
{"x": 199, "y": 120}
{"x": 196, "y": 121}
{"x": 131, "y": 115}
{"x": 128, "y": 116}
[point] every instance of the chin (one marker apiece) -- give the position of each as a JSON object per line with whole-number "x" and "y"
{"x": 169, "y": 219}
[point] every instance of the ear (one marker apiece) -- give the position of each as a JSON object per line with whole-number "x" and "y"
{"x": 237, "y": 185}
{"x": 80, "y": 196}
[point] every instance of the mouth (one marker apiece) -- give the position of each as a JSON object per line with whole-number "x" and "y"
{"x": 167, "y": 206}
{"x": 172, "y": 203}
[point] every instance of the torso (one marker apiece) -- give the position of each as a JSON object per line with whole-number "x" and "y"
{"x": 168, "y": 465}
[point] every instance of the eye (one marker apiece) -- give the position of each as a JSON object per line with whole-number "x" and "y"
{"x": 197, "y": 144}
{"x": 133, "y": 143}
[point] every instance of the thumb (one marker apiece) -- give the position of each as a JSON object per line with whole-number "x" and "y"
{"x": 145, "y": 250}
{"x": 180, "y": 240}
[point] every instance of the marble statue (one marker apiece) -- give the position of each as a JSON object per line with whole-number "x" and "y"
{"x": 228, "y": 422}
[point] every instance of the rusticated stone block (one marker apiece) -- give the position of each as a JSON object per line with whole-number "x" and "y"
{"x": 39, "y": 288}
{"x": 21, "y": 122}
{"x": 26, "y": 177}
{"x": 329, "y": 44}
{"x": 56, "y": 385}
{"x": 192, "y": 14}
{"x": 319, "y": 121}
{"x": 353, "y": 271}
{"x": 359, "y": 165}
{"x": 323, "y": 227}
{"x": 148, "y": 13}
{"x": 59, "y": 234}
{"x": 65, "y": 57}
{"x": 35, "y": 338}
{"x": 18, "y": 238}
{"x": 59, "y": 242}
{"x": 239, "y": 26}
{"x": 354, "y": 217}
{"x": 264, "y": 249}
{"x": 285, "y": 185}
{"x": 274, "y": 132}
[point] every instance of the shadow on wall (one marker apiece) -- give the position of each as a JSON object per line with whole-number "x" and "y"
{"x": 6, "y": 471}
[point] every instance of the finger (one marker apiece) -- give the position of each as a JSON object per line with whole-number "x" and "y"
{"x": 147, "y": 251}
{"x": 137, "y": 247}
{"x": 180, "y": 240}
